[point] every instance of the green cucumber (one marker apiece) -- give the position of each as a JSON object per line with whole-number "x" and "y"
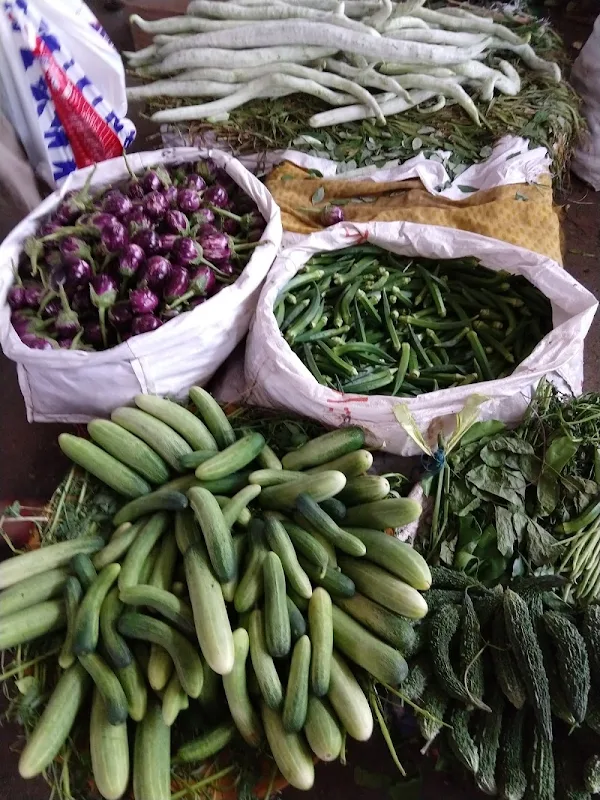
{"x": 152, "y": 757}
{"x": 187, "y": 532}
{"x": 87, "y": 622}
{"x": 139, "y": 552}
{"x": 352, "y": 464}
{"x": 163, "y": 570}
{"x": 214, "y": 416}
{"x": 322, "y": 730}
{"x": 297, "y": 621}
{"x": 384, "y": 588}
{"x": 320, "y": 624}
{"x": 86, "y": 573}
{"x": 207, "y": 745}
{"x": 399, "y": 558}
{"x": 133, "y": 681}
{"x": 168, "y": 605}
{"x": 229, "y": 588}
{"x": 295, "y": 705}
{"x": 54, "y": 726}
{"x": 273, "y": 477}
{"x": 289, "y": 751}
{"x": 168, "y": 444}
{"x": 109, "y": 751}
{"x": 108, "y": 685}
{"x": 245, "y": 717}
{"x": 33, "y": 590}
{"x": 31, "y": 623}
{"x": 195, "y": 432}
{"x": 185, "y": 657}
{"x": 239, "y": 504}
{"x": 262, "y": 662}
{"x": 129, "y": 450}
{"x": 34, "y": 562}
{"x": 268, "y": 459}
{"x": 280, "y": 543}
{"x": 216, "y": 532}
{"x": 174, "y": 700}
{"x": 319, "y": 487}
{"x": 101, "y": 465}
{"x": 251, "y": 585}
{"x": 211, "y": 620}
{"x": 155, "y": 501}
{"x": 307, "y": 545}
{"x": 334, "y": 581}
{"x": 395, "y": 512}
{"x": 116, "y": 647}
{"x": 119, "y": 543}
{"x": 349, "y": 701}
{"x": 335, "y": 508}
{"x": 385, "y": 663}
{"x": 277, "y": 621}
{"x": 195, "y": 458}
{"x": 364, "y": 489}
{"x": 232, "y": 458}
{"x": 327, "y": 527}
{"x": 325, "y": 448}
{"x": 72, "y": 595}
{"x": 388, "y": 626}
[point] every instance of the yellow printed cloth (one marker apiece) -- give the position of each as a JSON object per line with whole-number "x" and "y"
{"x": 521, "y": 214}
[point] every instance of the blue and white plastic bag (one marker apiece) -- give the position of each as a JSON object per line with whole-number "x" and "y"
{"x": 62, "y": 86}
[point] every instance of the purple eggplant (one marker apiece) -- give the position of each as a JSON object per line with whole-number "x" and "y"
{"x": 176, "y": 221}
{"x": 155, "y": 205}
{"x": 114, "y": 237}
{"x": 216, "y": 196}
{"x": 130, "y": 260}
{"x": 255, "y": 235}
{"x": 151, "y": 182}
{"x": 81, "y": 300}
{"x": 37, "y": 342}
{"x": 103, "y": 293}
{"x": 156, "y": 273}
{"x": 207, "y": 230}
{"x": 120, "y": 316}
{"x": 137, "y": 220}
{"x": 197, "y": 301}
{"x": 66, "y": 212}
{"x": 230, "y": 226}
{"x": 118, "y": 204}
{"x": 73, "y": 249}
{"x": 145, "y": 323}
{"x": 57, "y": 277}
{"x": 79, "y": 274}
{"x": 227, "y": 268}
{"x": 170, "y": 195}
{"x": 134, "y": 189}
{"x": 204, "y": 216}
{"x": 51, "y": 309}
{"x": 67, "y": 322}
{"x": 207, "y": 168}
{"x": 177, "y": 285}
{"x": 142, "y": 301}
{"x": 16, "y": 297}
{"x": 48, "y": 228}
{"x": 215, "y": 246}
{"x": 331, "y": 215}
{"x": 149, "y": 241}
{"x": 99, "y": 221}
{"x": 167, "y": 240}
{"x": 252, "y": 220}
{"x": 33, "y": 295}
{"x": 196, "y": 182}
{"x": 92, "y": 333}
{"x": 186, "y": 251}
{"x": 188, "y": 200}
{"x": 202, "y": 284}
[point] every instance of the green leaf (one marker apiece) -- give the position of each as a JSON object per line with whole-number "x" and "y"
{"x": 447, "y": 550}
{"x": 561, "y": 451}
{"x": 479, "y": 430}
{"x": 469, "y": 533}
{"x": 522, "y": 197}
{"x": 495, "y": 453}
{"x": 407, "y": 421}
{"x": 505, "y": 532}
{"x": 529, "y": 466}
{"x": 542, "y": 547}
{"x": 465, "y": 419}
{"x": 467, "y": 189}
{"x": 500, "y": 482}
{"x": 318, "y": 196}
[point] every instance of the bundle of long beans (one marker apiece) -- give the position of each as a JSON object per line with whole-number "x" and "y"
{"x": 364, "y": 320}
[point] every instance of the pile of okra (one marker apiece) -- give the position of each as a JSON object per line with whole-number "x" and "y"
{"x": 364, "y": 320}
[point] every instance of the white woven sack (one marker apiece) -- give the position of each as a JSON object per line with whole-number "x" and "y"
{"x": 276, "y": 378}
{"x": 74, "y": 386}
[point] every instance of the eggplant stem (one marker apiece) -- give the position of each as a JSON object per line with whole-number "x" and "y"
{"x": 102, "y": 319}
{"x": 224, "y": 213}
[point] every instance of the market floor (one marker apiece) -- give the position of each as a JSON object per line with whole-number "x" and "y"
{"x": 31, "y": 465}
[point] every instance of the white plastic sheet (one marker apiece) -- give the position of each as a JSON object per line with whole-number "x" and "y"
{"x": 74, "y": 386}
{"x": 276, "y": 377}
{"x": 586, "y": 79}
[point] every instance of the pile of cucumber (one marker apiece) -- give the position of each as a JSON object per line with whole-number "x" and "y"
{"x": 267, "y": 588}
{"x": 501, "y": 671}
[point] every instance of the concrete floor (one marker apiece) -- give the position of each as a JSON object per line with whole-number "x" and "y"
{"x": 31, "y": 463}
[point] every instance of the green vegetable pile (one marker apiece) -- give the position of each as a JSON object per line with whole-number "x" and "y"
{"x": 503, "y": 674}
{"x": 511, "y": 502}
{"x": 224, "y": 607}
{"x": 364, "y": 320}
